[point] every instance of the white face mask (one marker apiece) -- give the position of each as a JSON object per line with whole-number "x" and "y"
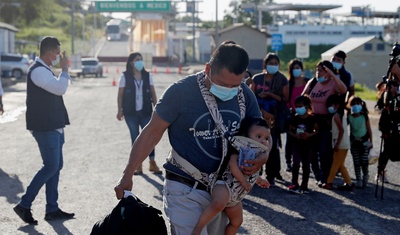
{"x": 56, "y": 61}
{"x": 223, "y": 93}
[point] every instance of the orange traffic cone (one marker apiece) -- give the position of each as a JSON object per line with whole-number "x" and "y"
{"x": 117, "y": 70}
{"x": 155, "y": 69}
{"x": 106, "y": 70}
{"x": 114, "y": 83}
{"x": 167, "y": 70}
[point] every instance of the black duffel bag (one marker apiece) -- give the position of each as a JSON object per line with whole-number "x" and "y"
{"x": 131, "y": 216}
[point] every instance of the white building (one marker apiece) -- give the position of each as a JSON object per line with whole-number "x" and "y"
{"x": 7, "y": 38}
{"x": 324, "y": 34}
{"x": 367, "y": 58}
{"x": 183, "y": 43}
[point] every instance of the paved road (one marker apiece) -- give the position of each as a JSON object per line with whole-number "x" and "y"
{"x": 96, "y": 151}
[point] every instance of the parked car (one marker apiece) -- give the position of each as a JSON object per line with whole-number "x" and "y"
{"x": 14, "y": 65}
{"x": 91, "y": 66}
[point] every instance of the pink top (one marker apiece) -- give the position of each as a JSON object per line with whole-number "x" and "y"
{"x": 320, "y": 94}
{"x": 296, "y": 92}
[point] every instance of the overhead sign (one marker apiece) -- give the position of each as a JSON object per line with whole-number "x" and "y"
{"x": 276, "y": 42}
{"x": 302, "y": 48}
{"x": 130, "y": 6}
{"x": 248, "y": 7}
{"x": 191, "y": 7}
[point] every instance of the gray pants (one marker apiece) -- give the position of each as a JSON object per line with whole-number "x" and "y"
{"x": 183, "y": 206}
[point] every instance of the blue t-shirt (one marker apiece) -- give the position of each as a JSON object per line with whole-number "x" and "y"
{"x": 192, "y": 131}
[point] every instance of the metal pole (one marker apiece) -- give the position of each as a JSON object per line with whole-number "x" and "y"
{"x": 83, "y": 25}
{"x": 95, "y": 28}
{"x": 72, "y": 26}
{"x": 216, "y": 24}
{"x": 194, "y": 31}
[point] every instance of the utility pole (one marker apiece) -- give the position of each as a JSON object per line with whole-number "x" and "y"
{"x": 194, "y": 30}
{"x": 83, "y": 24}
{"x": 95, "y": 28}
{"x": 216, "y": 24}
{"x": 72, "y": 26}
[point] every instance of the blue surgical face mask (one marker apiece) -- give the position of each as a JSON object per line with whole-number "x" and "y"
{"x": 301, "y": 110}
{"x": 223, "y": 93}
{"x": 296, "y": 72}
{"x": 138, "y": 65}
{"x": 337, "y": 65}
{"x": 321, "y": 79}
{"x": 272, "y": 69}
{"x": 331, "y": 109}
{"x": 356, "y": 108}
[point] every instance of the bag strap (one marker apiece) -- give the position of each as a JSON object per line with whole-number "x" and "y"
{"x": 175, "y": 159}
{"x": 212, "y": 106}
{"x": 227, "y": 137}
{"x": 237, "y": 142}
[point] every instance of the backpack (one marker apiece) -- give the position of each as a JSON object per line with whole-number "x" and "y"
{"x": 131, "y": 216}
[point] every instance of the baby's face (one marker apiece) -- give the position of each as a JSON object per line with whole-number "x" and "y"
{"x": 260, "y": 134}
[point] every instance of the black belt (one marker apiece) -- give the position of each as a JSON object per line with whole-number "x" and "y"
{"x": 185, "y": 181}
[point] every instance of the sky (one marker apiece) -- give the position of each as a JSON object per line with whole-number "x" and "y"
{"x": 207, "y": 7}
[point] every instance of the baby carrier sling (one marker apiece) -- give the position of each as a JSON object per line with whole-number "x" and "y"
{"x": 237, "y": 142}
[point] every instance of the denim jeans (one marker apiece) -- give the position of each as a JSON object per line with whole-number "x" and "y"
{"x": 50, "y": 145}
{"x": 135, "y": 122}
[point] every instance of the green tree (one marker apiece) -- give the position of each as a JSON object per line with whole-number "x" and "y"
{"x": 24, "y": 13}
{"x": 240, "y": 14}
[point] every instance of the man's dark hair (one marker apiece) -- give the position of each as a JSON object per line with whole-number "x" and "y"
{"x": 230, "y": 56}
{"x": 228, "y": 42}
{"x": 48, "y": 43}
{"x": 341, "y": 54}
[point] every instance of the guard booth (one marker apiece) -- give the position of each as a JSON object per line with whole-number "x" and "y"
{"x": 150, "y": 19}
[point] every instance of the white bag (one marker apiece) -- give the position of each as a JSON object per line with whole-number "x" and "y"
{"x": 373, "y": 156}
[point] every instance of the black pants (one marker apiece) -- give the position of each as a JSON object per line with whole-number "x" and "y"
{"x": 273, "y": 165}
{"x": 390, "y": 152}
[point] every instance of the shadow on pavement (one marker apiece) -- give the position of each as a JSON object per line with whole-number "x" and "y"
{"x": 11, "y": 186}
